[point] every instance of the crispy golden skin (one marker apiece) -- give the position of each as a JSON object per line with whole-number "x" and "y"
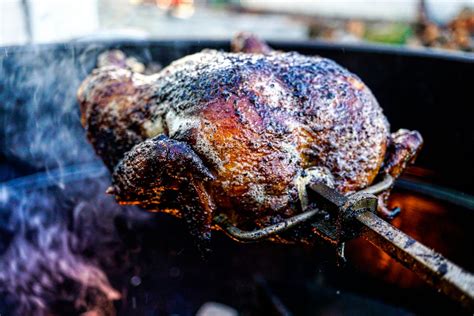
{"x": 238, "y": 132}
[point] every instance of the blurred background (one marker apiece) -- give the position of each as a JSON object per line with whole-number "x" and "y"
{"x": 445, "y": 24}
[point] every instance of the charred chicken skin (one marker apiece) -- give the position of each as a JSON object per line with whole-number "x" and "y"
{"x": 239, "y": 133}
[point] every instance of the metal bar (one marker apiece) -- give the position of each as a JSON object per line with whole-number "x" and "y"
{"x": 255, "y": 235}
{"x": 381, "y": 186}
{"x": 426, "y": 263}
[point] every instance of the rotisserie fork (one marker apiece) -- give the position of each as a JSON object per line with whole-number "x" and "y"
{"x": 338, "y": 218}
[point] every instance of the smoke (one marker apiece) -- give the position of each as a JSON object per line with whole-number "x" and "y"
{"x": 56, "y": 245}
{"x": 61, "y": 237}
{"x": 39, "y": 112}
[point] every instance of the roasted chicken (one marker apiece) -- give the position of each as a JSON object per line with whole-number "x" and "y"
{"x": 239, "y": 133}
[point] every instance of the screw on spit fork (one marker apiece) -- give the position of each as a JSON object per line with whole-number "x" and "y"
{"x": 330, "y": 217}
{"x": 324, "y": 226}
{"x": 339, "y": 226}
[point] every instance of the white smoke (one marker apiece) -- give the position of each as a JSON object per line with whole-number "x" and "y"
{"x": 58, "y": 229}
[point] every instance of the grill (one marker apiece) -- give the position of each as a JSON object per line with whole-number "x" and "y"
{"x": 50, "y": 172}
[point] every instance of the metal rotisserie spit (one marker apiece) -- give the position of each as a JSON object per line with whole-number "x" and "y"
{"x": 62, "y": 236}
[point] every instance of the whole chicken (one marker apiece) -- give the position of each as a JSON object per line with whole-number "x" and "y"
{"x": 239, "y": 133}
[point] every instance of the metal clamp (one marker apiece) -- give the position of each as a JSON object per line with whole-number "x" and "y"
{"x": 338, "y": 226}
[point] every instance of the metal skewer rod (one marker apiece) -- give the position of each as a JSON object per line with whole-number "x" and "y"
{"x": 431, "y": 266}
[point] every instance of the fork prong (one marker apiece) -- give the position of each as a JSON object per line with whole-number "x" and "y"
{"x": 255, "y": 235}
